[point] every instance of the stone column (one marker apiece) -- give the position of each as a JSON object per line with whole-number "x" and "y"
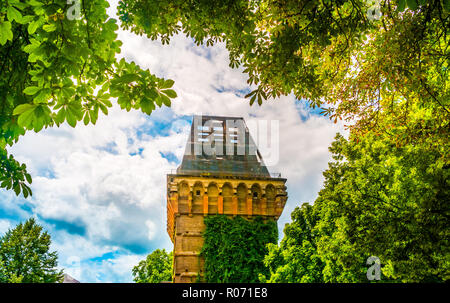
{"x": 205, "y": 203}
{"x": 190, "y": 204}
{"x": 220, "y": 204}
{"x": 249, "y": 205}
{"x": 277, "y": 207}
{"x": 235, "y": 204}
{"x": 264, "y": 205}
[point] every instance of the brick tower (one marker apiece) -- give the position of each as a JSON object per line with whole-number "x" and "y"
{"x": 222, "y": 172}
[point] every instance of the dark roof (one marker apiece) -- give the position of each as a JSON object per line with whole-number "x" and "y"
{"x": 221, "y": 146}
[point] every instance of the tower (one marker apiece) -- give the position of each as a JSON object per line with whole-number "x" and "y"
{"x": 222, "y": 172}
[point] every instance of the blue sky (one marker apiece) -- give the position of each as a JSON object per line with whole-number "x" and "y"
{"x": 100, "y": 190}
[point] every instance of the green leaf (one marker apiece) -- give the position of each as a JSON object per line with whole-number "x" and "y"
{"x": 42, "y": 96}
{"x": 35, "y": 117}
{"x": 252, "y": 99}
{"x": 26, "y": 117}
{"x": 17, "y": 189}
{"x": 31, "y": 90}
{"x": 32, "y": 27}
{"x": 22, "y": 108}
{"x": 103, "y": 108}
{"x": 68, "y": 92}
{"x": 124, "y": 102}
{"x": 167, "y": 102}
{"x": 86, "y": 118}
{"x": 25, "y": 19}
{"x": 127, "y": 78}
{"x": 250, "y": 94}
{"x": 159, "y": 101}
{"x": 170, "y": 93}
{"x": 2, "y": 143}
{"x": 401, "y": 4}
{"x": 147, "y": 106}
{"x": 41, "y": 117}
{"x": 412, "y": 4}
{"x": 167, "y": 84}
{"x": 35, "y": 3}
{"x": 71, "y": 119}
{"x": 5, "y": 32}
{"x": 14, "y": 14}
{"x": 25, "y": 192}
{"x": 32, "y": 46}
{"x": 60, "y": 116}
{"x": 28, "y": 177}
{"x": 93, "y": 113}
{"x": 164, "y": 99}
{"x": 49, "y": 27}
{"x": 151, "y": 93}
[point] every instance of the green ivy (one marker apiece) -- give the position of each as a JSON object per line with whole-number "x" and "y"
{"x": 234, "y": 249}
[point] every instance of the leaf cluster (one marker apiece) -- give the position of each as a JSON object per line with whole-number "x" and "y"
{"x": 234, "y": 248}
{"x": 55, "y": 70}
{"x": 156, "y": 268}
{"x": 331, "y": 53}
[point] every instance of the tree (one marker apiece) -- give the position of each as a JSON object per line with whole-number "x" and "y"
{"x": 156, "y": 268}
{"x": 58, "y": 64}
{"x": 5, "y": 277}
{"x": 388, "y": 201}
{"x": 25, "y": 255}
{"x": 296, "y": 258}
{"x": 332, "y": 53}
{"x": 380, "y": 198}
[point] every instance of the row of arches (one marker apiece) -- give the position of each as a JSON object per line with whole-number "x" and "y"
{"x": 250, "y": 199}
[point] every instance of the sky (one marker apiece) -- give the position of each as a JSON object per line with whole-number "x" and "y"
{"x": 100, "y": 190}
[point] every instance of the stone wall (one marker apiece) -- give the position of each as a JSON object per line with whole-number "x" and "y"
{"x": 190, "y": 198}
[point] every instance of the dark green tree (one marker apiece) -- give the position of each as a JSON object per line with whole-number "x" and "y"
{"x": 382, "y": 198}
{"x": 25, "y": 255}
{"x": 388, "y": 201}
{"x": 156, "y": 268}
{"x": 296, "y": 259}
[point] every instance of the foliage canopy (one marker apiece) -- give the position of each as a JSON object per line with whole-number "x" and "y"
{"x": 379, "y": 199}
{"x": 156, "y": 268}
{"x": 25, "y": 255}
{"x": 332, "y": 53}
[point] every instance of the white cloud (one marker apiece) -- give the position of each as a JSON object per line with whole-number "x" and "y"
{"x": 5, "y": 225}
{"x": 152, "y": 229}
